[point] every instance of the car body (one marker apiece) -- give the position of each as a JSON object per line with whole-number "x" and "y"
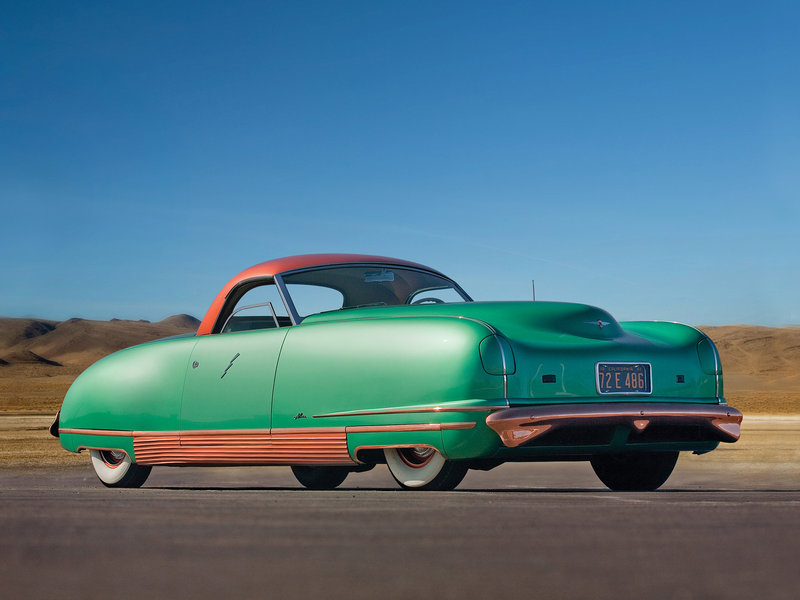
{"x": 334, "y": 363}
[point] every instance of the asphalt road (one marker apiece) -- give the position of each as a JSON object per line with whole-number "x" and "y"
{"x": 537, "y": 531}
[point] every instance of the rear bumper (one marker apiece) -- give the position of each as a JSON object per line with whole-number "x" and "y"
{"x": 518, "y": 426}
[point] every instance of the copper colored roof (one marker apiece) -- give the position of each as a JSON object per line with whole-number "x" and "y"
{"x": 276, "y": 266}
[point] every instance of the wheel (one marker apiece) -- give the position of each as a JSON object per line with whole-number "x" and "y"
{"x": 423, "y": 468}
{"x": 634, "y": 471}
{"x": 116, "y": 469}
{"x": 320, "y": 478}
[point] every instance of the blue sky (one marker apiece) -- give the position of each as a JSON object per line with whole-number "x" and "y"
{"x": 639, "y": 156}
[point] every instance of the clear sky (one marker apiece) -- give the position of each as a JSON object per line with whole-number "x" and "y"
{"x": 639, "y": 156}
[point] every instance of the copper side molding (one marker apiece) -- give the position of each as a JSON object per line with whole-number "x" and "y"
{"x": 419, "y": 427}
{"x": 111, "y": 432}
{"x": 291, "y": 446}
{"x": 517, "y": 426}
{"x": 309, "y": 446}
{"x": 399, "y": 411}
{"x": 82, "y": 448}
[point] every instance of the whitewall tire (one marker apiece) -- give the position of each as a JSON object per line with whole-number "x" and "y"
{"x": 115, "y": 468}
{"x": 423, "y": 468}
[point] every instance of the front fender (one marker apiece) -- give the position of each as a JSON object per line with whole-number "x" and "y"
{"x": 138, "y": 388}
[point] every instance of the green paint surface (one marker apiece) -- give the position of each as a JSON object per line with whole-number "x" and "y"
{"x": 387, "y": 361}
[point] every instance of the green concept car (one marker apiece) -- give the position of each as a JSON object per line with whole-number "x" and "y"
{"x": 334, "y": 363}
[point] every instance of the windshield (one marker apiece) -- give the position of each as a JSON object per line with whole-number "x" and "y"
{"x": 335, "y": 288}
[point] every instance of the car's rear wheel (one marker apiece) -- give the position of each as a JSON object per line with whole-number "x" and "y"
{"x": 423, "y": 468}
{"x": 634, "y": 471}
{"x": 116, "y": 469}
{"x": 320, "y": 478}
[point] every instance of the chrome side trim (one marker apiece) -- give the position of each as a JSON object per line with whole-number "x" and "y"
{"x": 274, "y": 316}
{"x": 80, "y": 448}
{"x": 109, "y": 432}
{"x": 287, "y": 300}
{"x": 400, "y": 411}
{"x": 505, "y": 366}
{"x": 295, "y": 316}
{"x": 491, "y": 328}
{"x": 717, "y": 365}
{"x": 406, "y": 428}
{"x": 456, "y": 287}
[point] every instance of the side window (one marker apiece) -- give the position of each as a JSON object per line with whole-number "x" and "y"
{"x": 312, "y": 299}
{"x": 259, "y": 308}
{"x": 435, "y": 296}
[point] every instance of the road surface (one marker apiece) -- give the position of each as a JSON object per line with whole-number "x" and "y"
{"x": 718, "y": 529}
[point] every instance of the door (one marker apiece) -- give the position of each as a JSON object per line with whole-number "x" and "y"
{"x": 229, "y": 381}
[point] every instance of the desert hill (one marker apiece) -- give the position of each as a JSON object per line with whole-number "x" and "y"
{"x": 758, "y": 351}
{"x": 184, "y": 321}
{"x": 761, "y": 367}
{"x": 80, "y": 342}
{"x": 16, "y": 331}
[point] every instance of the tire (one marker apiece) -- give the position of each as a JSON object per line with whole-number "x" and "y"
{"x": 423, "y": 468}
{"x": 115, "y": 468}
{"x": 634, "y": 471}
{"x": 320, "y": 478}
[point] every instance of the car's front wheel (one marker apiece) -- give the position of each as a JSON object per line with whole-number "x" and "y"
{"x": 423, "y": 468}
{"x": 320, "y": 478}
{"x": 116, "y": 469}
{"x": 634, "y": 471}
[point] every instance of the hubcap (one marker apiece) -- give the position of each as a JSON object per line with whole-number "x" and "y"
{"x": 112, "y": 458}
{"x": 416, "y": 457}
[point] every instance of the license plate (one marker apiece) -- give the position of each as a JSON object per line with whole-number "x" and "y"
{"x": 624, "y": 378}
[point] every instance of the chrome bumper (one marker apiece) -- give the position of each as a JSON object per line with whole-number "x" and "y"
{"x": 517, "y": 426}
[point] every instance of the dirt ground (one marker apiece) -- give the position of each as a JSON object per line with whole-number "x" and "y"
{"x": 34, "y": 389}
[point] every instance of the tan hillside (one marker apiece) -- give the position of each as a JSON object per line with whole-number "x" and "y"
{"x": 19, "y": 331}
{"x": 761, "y": 367}
{"x": 80, "y": 342}
{"x": 40, "y": 359}
{"x": 758, "y": 351}
{"x": 184, "y": 321}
